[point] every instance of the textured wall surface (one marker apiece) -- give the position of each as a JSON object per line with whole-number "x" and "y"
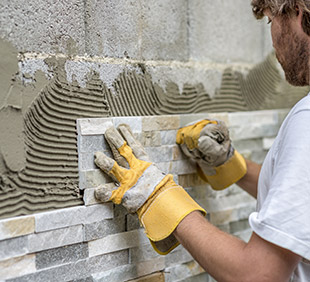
{"x": 66, "y": 60}
{"x": 102, "y": 242}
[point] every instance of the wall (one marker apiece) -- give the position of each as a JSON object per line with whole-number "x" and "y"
{"x": 65, "y": 60}
{"x": 102, "y": 242}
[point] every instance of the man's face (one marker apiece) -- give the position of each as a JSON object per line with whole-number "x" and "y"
{"x": 292, "y": 48}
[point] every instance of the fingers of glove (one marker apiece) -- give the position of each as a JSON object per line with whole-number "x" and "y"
{"x": 104, "y": 162}
{"x": 103, "y": 193}
{"x": 110, "y": 166}
{"x": 133, "y": 143}
{"x": 190, "y": 134}
{"x": 115, "y": 141}
{"x": 218, "y": 131}
{"x": 213, "y": 153}
{"x": 193, "y": 154}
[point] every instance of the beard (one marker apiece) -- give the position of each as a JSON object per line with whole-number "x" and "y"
{"x": 295, "y": 57}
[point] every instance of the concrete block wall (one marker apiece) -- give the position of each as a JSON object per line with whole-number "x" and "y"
{"x": 102, "y": 242}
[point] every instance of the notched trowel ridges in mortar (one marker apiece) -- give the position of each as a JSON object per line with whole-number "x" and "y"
{"x": 50, "y": 177}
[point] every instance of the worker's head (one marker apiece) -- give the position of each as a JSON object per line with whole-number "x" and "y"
{"x": 290, "y": 30}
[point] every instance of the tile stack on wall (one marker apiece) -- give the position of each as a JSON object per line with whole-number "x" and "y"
{"x": 102, "y": 242}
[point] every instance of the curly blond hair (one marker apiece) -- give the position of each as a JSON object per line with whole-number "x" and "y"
{"x": 284, "y": 8}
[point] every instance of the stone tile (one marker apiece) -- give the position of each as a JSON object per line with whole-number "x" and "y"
{"x": 253, "y": 131}
{"x": 183, "y": 271}
{"x": 178, "y": 256}
{"x": 203, "y": 277}
{"x": 72, "y": 216}
{"x": 121, "y": 273}
{"x": 116, "y": 242}
{"x": 150, "y": 266}
{"x": 62, "y": 255}
{"x": 87, "y": 279}
{"x": 87, "y": 161}
{"x": 77, "y": 270}
{"x": 244, "y": 235}
{"x": 15, "y": 247}
{"x": 47, "y": 240}
{"x": 104, "y": 228}
{"x": 15, "y": 227}
{"x": 160, "y": 154}
{"x": 177, "y": 153}
{"x": 15, "y": 267}
{"x": 93, "y": 178}
{"x": 228, "y": 202}
{"x": 177, "y": 167}
{"x": 93, "y": 126}
{"x": 168, "y": 137}
{"x": 132, "y": 222}
{"x": 92, "y": 143}
{"x": 193, "y": 118}
{"x": 135, "y": 123}
{"x": 267, "y": 143}
{"x": 150, "y": 138}
{"x": 142, "y": 253}
{"x": 231, "y": 215}
{"x": 240, "y": 225}
{"x": 160, "y": 123}
{"x": 238, "y": 119}
{"x": 248, "y": 144}
{"x": 155, "y": 277}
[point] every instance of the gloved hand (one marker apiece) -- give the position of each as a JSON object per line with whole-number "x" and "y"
{"x": 141, "y": 187}
{"x": 207, "y": 143}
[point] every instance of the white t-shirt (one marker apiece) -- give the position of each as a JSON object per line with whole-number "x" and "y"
{"x": 283, "y": 197}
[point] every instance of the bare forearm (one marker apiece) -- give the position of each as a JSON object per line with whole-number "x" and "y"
{"x": 227, "y": 258}
{"x": 250, "y": 180}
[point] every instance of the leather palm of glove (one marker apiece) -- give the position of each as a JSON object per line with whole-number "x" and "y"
{"x": 207, "y": 143}
{"x": 141, "y": 187}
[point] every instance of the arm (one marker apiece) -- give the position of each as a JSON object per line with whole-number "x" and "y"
{"x": 250, "y": 180}
{"x": 227, "y": 258}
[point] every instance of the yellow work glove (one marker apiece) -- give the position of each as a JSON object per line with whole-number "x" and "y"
{"x": 141, "y": 187}
{"x": 207, "y": 143}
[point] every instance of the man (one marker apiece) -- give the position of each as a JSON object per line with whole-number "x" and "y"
{"x": 279, "y": 248}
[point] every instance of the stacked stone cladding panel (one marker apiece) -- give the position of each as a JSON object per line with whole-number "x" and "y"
{"x": 102, "y": 242}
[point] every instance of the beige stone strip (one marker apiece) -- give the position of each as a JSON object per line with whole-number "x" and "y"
{"x": 15, "y": 227}
{"x": 15, "y": 267}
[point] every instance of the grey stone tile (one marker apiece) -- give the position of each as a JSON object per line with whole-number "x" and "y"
{"x": 168, "y": 137}
{"x": 77, "y": 270}
{"x": 103, "y": 228}
{"x": 92, "y": 143}
{"x": 47, "y": 240}
{"x": 72, "y": 216}
{"x": 13, "y": 247}
{"x": 132, "y": 222}
{"x": 121, "y": 273}
{"x": 62, "y": 255}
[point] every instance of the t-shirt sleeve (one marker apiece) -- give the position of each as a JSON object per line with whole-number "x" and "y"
{"x": 284, "y": 217}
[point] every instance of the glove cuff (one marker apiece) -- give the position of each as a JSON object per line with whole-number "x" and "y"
{"x": 228, "y": 173}
{"x": 163, "y": 212}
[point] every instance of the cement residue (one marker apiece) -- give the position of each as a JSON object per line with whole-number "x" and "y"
{"x": 137, "y": 95}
